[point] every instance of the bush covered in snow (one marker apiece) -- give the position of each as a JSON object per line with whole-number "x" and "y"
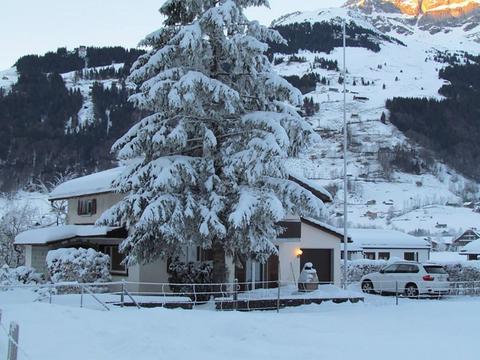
{"x": 358, "y": 268}
{"x": 21, "y": 275}
{"x": 463, "y": 271}
{"x": 191, "y": 273}
{"x": 78, "y": 265}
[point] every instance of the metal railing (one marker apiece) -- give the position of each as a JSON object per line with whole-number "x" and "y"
{"x": 413, "y": 289}
{"x": 226, "y": 296}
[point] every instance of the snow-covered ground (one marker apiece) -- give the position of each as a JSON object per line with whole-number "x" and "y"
{"x": 377, "y": 329}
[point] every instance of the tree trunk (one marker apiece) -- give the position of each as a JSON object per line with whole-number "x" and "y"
{"x": 219, "y": 264}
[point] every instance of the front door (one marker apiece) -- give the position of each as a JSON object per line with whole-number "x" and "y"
{"x": 322, "y": 260}
{"x": 266, "y": 275}
{"x": 270, "y": 272}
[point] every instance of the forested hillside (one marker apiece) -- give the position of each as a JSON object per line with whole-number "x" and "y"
{"x": 324, "y": 37}
{"x": 63, "y": 61}
{"x": 41, "y": 133}
{"x": 450, "y": 127}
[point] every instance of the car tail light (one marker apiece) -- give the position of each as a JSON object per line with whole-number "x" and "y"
{"x": 428, "y": 278}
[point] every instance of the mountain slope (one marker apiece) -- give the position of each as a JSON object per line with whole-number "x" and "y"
{"x": 390, "y": 176}
{"x": 60, "y": 118}
{"x": 404, "y": 16}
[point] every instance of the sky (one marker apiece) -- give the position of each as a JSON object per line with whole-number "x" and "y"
{"x": 38, "y": 26}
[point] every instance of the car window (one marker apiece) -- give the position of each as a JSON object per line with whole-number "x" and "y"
{"x": 413, "y": 269}
{"x": 434, "y": 269}
{"x": 407, "y": 268}
{"x": 390, "y": 269}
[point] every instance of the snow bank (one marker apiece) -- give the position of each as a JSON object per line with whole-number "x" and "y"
{"x": 319, "y": 331}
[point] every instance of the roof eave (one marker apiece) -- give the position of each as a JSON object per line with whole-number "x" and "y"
{"x": 327, "y": 230}
{"x": 65, "y": 197}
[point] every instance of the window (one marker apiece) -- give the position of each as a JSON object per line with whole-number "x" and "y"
{"x": 390, "y": 269}
{"x": 116, "y": 259}
{"x": 204, "y": 254}
{"x": 369, "y": 255}
{"x": 410, "y": 256}
{"x": 383, "y": 256}
{"x": 87, "y": 207}
{"x": 434, "y": 269}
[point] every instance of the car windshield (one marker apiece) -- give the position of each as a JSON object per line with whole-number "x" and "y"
{"x": 434, "y": 269}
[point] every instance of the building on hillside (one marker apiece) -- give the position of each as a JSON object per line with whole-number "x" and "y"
{"x": 376, "y": 244}
{"x": 303, "y": 240}
{"x": 465, "y": 238}
{"x": 471, "y": 250}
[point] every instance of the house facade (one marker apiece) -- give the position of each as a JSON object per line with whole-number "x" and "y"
{"x": 465, "y": 238}
{"x": 304, "y": 240}
{"x": 379, "y": 244}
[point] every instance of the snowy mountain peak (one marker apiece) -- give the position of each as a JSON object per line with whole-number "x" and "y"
{"x": 417, "y": 8}
{"x": 397, "y": 18}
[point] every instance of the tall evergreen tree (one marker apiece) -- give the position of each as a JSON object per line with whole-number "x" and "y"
{"x": 207, "y": 166}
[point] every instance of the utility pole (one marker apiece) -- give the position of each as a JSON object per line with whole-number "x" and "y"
{"x": 345, "y": 144}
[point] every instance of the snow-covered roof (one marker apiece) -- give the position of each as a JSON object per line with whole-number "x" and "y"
{"x": 97, "y": 183}
{"x": 472, "y": 248}
{"x": 472, "y": 230}
{"x": 317, "y": 190}
{"x": 53, "y": 234}
{"x": 101, "y": 182}
{"x": 385, "y": 239}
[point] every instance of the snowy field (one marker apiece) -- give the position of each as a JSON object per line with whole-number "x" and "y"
{"x": 377, "y": 329}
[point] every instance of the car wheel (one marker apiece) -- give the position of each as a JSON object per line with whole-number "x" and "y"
{"x": 367, "y": 287}
{"x": 411, "y": 291}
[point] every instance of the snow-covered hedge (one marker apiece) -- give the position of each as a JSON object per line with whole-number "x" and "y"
{"x": 464, "y": 271}
{"x": 21, "y": 275}
{"x": 78, "y": 265}
{"x": 356, "y": 269}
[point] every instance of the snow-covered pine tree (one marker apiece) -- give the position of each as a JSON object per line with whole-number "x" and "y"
{"x": 207, "y": 167}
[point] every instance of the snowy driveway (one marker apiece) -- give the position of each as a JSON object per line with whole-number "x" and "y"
{"x": 423, "y": 329}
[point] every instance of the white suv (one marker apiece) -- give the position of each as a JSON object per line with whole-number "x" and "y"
{"x": 409, "y": 278}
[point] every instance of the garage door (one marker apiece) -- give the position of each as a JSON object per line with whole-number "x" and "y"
{"x": 322, "y": 260}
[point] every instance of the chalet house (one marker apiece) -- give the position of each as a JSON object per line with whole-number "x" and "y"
{"x": 303, "y": 240}
{"x": 379, "y": 244}
{"x": 465, "y": 238}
